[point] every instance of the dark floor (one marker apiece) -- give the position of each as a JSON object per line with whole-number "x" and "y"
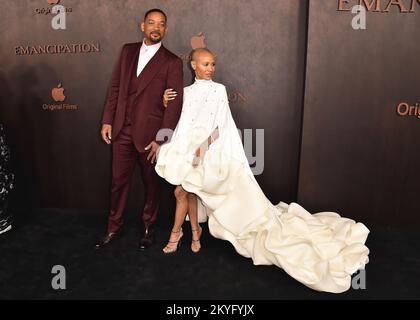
{"x": 41, "y": 239}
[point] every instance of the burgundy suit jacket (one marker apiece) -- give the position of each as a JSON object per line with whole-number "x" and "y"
{"x": 148, "y": 116}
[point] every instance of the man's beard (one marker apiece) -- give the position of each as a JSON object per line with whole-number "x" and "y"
{"x": 155, "y": 40}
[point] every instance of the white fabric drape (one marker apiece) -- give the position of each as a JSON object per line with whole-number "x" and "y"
{"x": 320, "y": 250}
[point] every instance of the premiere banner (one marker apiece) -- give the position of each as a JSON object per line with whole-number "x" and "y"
{"x": 361, "y": 117}
{"x": 56, "y": 62}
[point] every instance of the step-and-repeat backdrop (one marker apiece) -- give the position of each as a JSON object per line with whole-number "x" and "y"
{"x": 361, "y": 123}
{"x": 326, "y": 98}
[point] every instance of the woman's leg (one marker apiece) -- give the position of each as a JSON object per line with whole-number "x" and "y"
{"x": 195, "y": 227}
{"x": 180, "y": 212}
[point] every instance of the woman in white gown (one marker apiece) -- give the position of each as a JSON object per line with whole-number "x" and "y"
{"x": 320, "y": 250}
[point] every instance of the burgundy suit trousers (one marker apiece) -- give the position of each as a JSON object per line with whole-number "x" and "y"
{"x": 124, "y": 157}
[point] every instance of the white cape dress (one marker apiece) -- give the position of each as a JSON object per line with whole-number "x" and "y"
{"x": 320, "y": 250}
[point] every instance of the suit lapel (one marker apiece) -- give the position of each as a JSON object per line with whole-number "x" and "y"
{"x": 132, "y": 64}
{"x": 151, "y": 69}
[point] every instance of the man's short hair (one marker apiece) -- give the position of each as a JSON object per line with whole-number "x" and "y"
{"x": 155, "y": 10}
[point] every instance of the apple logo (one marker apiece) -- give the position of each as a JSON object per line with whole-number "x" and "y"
{"x": 53, "y": 1}
{"x": 198, "y": 41}
{"x": 58, "y": 93}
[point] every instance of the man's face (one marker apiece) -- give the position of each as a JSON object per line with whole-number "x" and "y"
{"x": 154, "y": 27}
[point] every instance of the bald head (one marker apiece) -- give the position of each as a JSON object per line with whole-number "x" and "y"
{"x": 203, "y": 62}
{"x": 197, "y": 52}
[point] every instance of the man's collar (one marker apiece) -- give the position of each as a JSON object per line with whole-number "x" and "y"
{"x": 155, "y": 46}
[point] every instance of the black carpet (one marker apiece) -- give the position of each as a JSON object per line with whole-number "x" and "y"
{"x": 41, "y": 239}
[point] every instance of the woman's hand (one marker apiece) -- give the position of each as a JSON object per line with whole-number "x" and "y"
{"x": 199, "y": 156}
{"x": 168, "y": 95}
{"x": 201, "y": 151}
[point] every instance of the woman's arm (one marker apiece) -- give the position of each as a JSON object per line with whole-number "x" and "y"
{"x": 201, "y": 151}
{"x": 213, "y": 137}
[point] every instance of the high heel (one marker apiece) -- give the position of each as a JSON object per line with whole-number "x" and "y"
{"x": 195, "y": 244}
{"x": 169, "y": 249}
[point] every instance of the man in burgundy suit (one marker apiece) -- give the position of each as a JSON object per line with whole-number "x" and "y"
{"x": 132, "y": 117}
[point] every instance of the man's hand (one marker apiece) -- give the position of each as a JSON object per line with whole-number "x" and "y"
{"x": 106, "y": 133}
{"x": 154, "y": 148}
{"x": 168, "y": 95}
